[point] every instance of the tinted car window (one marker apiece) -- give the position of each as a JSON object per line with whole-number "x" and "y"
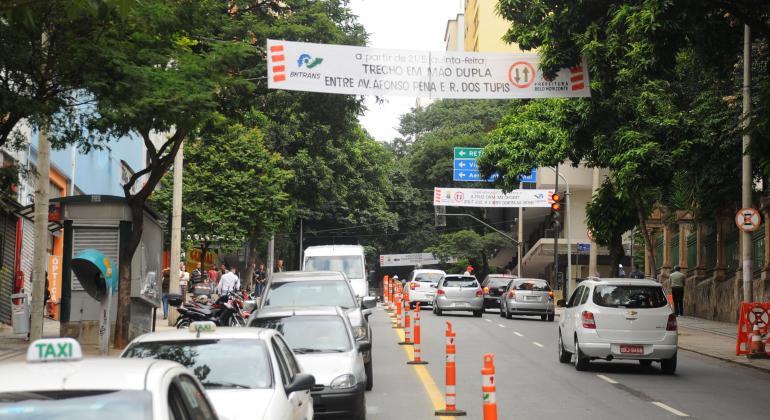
{"x": 77, "y": 404}
{"x": 498, "y": 281}
{"x": 196, "y": 403}
{"x": 428, "y": 277}
{"x": 461, "y": 282}
{"x": 613, "y": 296}
{"x": 533, "y": 285}
{"x": 351, "y": 265}
{"x": 576, "y": 296}
{"x": 311, "y": 293}
{"x": 311, "y": 334}
{"x": 212, "y": 361}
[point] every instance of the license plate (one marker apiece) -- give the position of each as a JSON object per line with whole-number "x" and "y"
{"x": 460, "y": 304}
{"x": 533, "y": 297}
{"x": 631, "y": 349}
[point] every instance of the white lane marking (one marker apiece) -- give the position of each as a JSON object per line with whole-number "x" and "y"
{"x": 607, "y": 379}
{"x": 518, "y": 334}
{"x": 671, "y": 410}
{"x": 537, "y": 344}
{"x": 487, "y": 319}
{"x": 501, "y": 325}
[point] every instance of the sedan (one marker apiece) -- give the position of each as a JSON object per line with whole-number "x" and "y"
{"x": 494, "y": 287}
{"x": 421, "y": 286}
{"x": 618, "y": 319}
{"x": 457, "y": 292}
{"x": 528, "y": 297}
{"x": 248, "y": 373}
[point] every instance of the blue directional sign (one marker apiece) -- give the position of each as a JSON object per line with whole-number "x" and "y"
{"x": 532, "y": 177}
{"x": 466, "y": 168}
{"x": 583, "y": 247}
{"x": 466, "y": 164}
{"x": 471, "y": 176}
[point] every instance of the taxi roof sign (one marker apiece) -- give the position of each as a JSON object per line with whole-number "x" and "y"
{"x": 63, "y": 349}
{"x": 202, "y": 326}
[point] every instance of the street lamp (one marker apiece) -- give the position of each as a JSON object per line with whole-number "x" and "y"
{"x": 571, "y": 286}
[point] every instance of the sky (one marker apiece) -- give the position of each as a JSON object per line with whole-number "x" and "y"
{"x": 406, "y": 25}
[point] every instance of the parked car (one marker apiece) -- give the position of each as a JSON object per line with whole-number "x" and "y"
{"x": 323, "y": 288}
{"x": 56, "y": 382}
{"x": 528, "y": 297}
{"x": 457, "y": 292}
{"x": 248, "y": 373}
{"x": 422, "y": 284}
{"x": 349, "y": 259}
{"x": 494, "y": 287}
{"x": 618, "y": 319}
{"x": 322, "y": 339}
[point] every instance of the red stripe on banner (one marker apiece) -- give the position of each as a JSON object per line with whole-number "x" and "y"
{"x": 279, "y": 77}
{"x": 278, "y": 58}
{"x": 281, "y": 69}
{"x": 576, "y": 69}
{"x": 576, "y": 78}
{"x": 578, "y": 86}
{"x": 276, "y": 48}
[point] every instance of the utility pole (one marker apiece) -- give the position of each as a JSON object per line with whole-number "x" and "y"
{"x": 40, "y": 256}
{"x": 301, "y": 250}
{"x": 270, "y": 255}
{"x": 520, "y": 245}
{"x": 592, "y": 251}
{"x": 556, "y": 226}
{"x": 748, "y": 292}
{"x": 176, "y": 229}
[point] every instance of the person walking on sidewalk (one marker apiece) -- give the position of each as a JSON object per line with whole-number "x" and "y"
{"x": 229, "y": 282}
{"x": 164, "y": 291}
{"x": 213, "y": 275}
{"x": 677, "y": 290}
{"x": 184, "y": 279}
{"x": 197, "y": 275}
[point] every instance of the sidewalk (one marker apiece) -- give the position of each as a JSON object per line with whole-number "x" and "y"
{"x": 715, "y": 339}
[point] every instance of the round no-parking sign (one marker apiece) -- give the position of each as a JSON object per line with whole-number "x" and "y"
{"x": 748, "y": 219}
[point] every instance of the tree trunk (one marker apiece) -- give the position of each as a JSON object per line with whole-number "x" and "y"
{"x": 645, "y": 233}
{"x": 124, "y": 272}
{"x": 251, "y": 261}
{"x": 616, "y": 254}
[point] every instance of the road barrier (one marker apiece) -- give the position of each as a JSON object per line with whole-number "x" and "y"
{"x": 416, "y": 331}
{"x": 451, "y": 380}
{"x": 390, "y": 295}
{"x": 488, "y": 387}
{"x": 399, "y": 306}
{"x": 385, "y": 291}
{"x": 407, "y": 325}
{"x": 752, "y": 329}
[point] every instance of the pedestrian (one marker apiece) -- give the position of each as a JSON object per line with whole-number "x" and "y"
{"x": 260, "y": 279}
{"x": 468, "y": 271}
{"x": 165, "y": 282}
{"x": 184, "y": 279}
{"x": 621, "y": 271}
{"x": 677, "y": 290}
{"x": 197, "y": 275}
{"x": 229, "y": 282}
{"x": 213, "y": 274}
{"x": 222, "y": 270}
{"x": 47, "y": 296}
{"x": 636, "y": 273}
{"x": 279, "y": 266}
{"x": 395, "y": 278}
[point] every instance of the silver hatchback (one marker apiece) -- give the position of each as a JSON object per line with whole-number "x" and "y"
{"x": 528, "y": 297}
{"x": 457, "y": 292}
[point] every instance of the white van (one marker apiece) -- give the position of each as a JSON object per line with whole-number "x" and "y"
{"x": 348, "y": 259}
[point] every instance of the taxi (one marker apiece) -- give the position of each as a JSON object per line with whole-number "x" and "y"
{"x": 56, "y": 382}
{"x": 248, "y": 373}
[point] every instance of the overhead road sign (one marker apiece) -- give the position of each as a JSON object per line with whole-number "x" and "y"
{"x": 472, "y": 176}
{"x": 465, "y": 164}
{"x": 351, "y": 70}
{"x": 479, "y": 197}
{"x": 401, "y": 260}
{"x": 466, "y": 167}
{"x": 468, "y": 152}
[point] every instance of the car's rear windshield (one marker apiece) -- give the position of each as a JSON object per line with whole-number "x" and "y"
{"x": 428, "y": 277}
{"x": 310, "y": 334}
{"x": 498, "y": 281}
{"x": 76, "y": 404}
{"x": 533, "y": 285}
{"x": 625, "y": 296}
{"x": 311, "y": 293}
{"x": 461, "y": 282}
{"x": 224, "y": 363}
{"x": 351, "y": 265}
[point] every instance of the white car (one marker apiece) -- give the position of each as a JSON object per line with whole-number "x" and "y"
{"x": 55, "y": 382}
{"x": 248, "y": 373}
{"x": 422, "y": 284}
{"x": 618, "y": 319}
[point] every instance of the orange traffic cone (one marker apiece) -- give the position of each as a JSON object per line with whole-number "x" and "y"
{"x": 757, "y": 346}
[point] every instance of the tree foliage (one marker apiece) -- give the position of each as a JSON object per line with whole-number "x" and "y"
{"x": 467, "y": 245}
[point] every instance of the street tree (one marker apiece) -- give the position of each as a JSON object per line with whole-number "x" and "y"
{"x": 467, "y": 245}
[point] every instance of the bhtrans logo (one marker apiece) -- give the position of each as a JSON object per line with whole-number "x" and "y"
{"x": 308, "y": 61}
{"x": 278, "y": 60}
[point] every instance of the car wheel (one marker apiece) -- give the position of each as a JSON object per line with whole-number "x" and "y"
{"x": 502, "y": 313}
{"x": 564, "y": 355}
{"x": 543, "y": 317}
{"x": 478, "y": 314}
{"x": 437, "y": 310}
{"x": 581, "y": 362}
{"x": 645, "y": 362}
{"x": 551, "y": 317}
{"x": 508, "y": 313}
{"x": 668, "y": 366}
{"x": 369, "y": 376}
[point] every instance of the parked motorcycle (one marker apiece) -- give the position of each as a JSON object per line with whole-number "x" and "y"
{"x": 225, "y": 311}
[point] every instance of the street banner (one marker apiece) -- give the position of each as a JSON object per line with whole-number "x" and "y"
{"x": 398, "y": 260}
{"x": 353, "y": 70}
{"x": 478, "y": 197}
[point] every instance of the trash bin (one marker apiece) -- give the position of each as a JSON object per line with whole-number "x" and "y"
{"x": 20, "y": 311}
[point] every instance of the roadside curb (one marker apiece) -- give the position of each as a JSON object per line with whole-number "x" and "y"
{"x": 746, "y": 364}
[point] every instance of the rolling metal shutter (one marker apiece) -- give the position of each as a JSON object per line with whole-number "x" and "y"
{"x": 7, "y": 257}
{"x": 103, "y": 239}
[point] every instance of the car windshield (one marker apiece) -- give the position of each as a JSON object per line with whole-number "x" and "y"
{"x": 428, "y": 277}
{"x": 225, "y": 363}
{"x": 461, "y": 282}
{"x": 311, "y": 293}
{"x": 498, "y": 281}
{"x": 76, "y": 404}
{"x": 351, "y": 265}
{"x": 311, "y": 334}
{"x": 533, "y": 285}
{"x": 622, "y": 296}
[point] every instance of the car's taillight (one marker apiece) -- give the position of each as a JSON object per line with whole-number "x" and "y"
{"x": 550, "y": 294}
{"x": 588, "y": 320}
{"x": 479, "y": 293}
{"x": 486, "y": 290}
{"x": 440, "y": 292}
{"x": 671, "y": 325}
{"x": 511, "y": 294}
{"x": 412, "y": 285}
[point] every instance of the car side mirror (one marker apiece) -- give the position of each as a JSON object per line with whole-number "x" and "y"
{"x": 364, "y": 345}
{"x": 366, "y": 313}
{"x": 301, "y": 382}
{"x": 369, "y": 302}
{"x": 435, "y": 286}
{"x": 561, "y": 303}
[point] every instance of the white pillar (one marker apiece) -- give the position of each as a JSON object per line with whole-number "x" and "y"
{"x": 40, "y": 258}
{"x": 176, "y": 229}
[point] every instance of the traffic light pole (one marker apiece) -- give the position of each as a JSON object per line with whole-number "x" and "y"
{"x": 568, "y": 221}
{"x": 556, "y": 226}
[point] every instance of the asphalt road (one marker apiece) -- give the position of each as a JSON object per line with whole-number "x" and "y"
{"x": 531, "y": 383}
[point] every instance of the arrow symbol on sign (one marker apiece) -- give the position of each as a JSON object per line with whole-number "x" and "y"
{"x": 462, "y": 164}
{"x": 462, "y": 153}
{"x": 517, "y": 78}
{"x": 526, "y": 75}
{"x": 462, "y": 174}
